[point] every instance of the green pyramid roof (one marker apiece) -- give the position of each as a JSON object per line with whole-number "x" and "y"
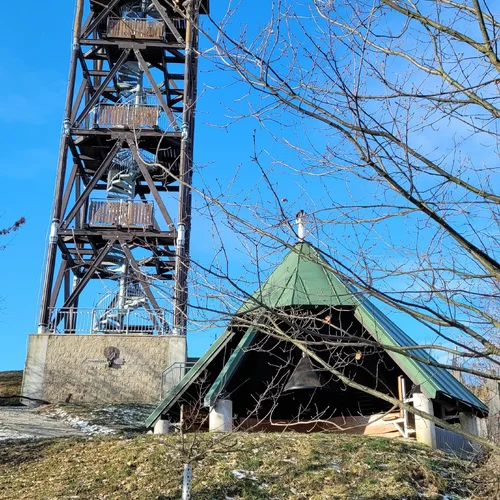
{"x": 302, "y": 279}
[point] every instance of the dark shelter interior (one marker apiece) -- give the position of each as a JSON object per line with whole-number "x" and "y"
{"x": 257, "y": 382}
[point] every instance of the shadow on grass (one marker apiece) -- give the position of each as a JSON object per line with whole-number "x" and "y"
{"x": 20, "y": 451}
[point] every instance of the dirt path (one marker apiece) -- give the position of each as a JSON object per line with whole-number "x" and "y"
{"x": 24, "y": 423}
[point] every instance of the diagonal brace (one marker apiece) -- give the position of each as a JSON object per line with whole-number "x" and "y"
{"x": 92, "y": 184}
{"x": 164, "y": 15}
{"x": 70, "y": 301}
{"x": 104, "y": 12}
{"x": 151, "y": 184}
{"x": 144, "y": 284}
{"x": 104, "y": 85}
{"x": 156, "y": 90}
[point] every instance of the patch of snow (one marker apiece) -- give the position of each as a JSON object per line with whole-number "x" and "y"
{"x": 81, "y": 424}
{"x": 242, "y": 474}
{"x": 335, "y": 465}
{"x": 7, "y": 434}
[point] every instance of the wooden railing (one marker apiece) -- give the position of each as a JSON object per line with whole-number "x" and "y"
{"x": 135, "y": 28}
{"x": 127, "y": 115}
{"x": 121, "y": 213}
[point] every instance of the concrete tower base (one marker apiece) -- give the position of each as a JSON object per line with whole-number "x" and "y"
{"x": 101, "y": 368}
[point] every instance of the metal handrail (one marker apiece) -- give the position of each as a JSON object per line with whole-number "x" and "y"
{"x": 182, "y": 366}
{"x": 114, "y": 320}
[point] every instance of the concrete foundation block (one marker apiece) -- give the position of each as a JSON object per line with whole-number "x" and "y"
{"x": 221, "y": 416}
{"x": 425, "y": 429}
{"x": 162, "y": 427}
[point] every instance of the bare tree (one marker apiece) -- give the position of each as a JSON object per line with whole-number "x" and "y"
{"x": 397, "y": 102}
{"x": 12, "y": 229}
{"x": 387, "y": 112}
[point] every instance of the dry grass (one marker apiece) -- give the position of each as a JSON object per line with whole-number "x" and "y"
{"x": 10, "y": 385}
{"x": 269, "y": 465}
{"x": 485, "y": 481}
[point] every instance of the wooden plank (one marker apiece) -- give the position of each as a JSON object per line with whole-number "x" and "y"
{"x": 373, "y": 425}
{"x": 135, "y": 28}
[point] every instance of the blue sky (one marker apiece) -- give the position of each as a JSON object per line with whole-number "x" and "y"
{"x": 33, "y": 85}
{"x": 32, "y": 94}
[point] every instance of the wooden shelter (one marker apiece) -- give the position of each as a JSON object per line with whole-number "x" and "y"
{"x": 241, "y": 381}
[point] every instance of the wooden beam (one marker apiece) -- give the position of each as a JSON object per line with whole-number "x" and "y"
{"x": 99, "y": 18}
{"x": 168, "y": 21}
{"x": 89, "y": 19}
{"x": 145, "y": 286}
{"x": 151, "y": 184}
{"x": 156, "y": 90}
{"x": 68, "y": 189}
{"x": 91, "y": 185}
{"x": 57, "y": 285}
{"x": 78, "y": 161}
{"x": 98, "y": 93}
{"x": 139, "y": 275}
{"x": 78, "y": 100}
{"x": 129, "y": 44}
{"x": 88, "y": 275}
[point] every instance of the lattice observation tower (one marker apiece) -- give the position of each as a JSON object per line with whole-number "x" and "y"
{"x": 121, "y": 220}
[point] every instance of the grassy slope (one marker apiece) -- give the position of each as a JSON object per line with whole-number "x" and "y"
{"x": 277, "y": 466}
{"x": 10, "y": 384}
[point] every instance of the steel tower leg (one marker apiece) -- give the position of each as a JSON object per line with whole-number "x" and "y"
{"x": 186, "y": 175}
{"x": 61, "y": 174}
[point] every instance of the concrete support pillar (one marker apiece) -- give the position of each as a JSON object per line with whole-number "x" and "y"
{"x": 221, "y": 416}
{"x": 162, "y": 427}
{"x": 468, "y": 422}
{"x": 425, "y": 429}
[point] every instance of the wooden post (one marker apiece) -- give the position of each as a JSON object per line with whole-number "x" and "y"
{"x": 186, "y": 172}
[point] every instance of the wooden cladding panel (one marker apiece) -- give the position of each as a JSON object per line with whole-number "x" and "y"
{"x": 135, "y": 28}
{"x": 134, "y": 116}
{"x": 116, "y": 213}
